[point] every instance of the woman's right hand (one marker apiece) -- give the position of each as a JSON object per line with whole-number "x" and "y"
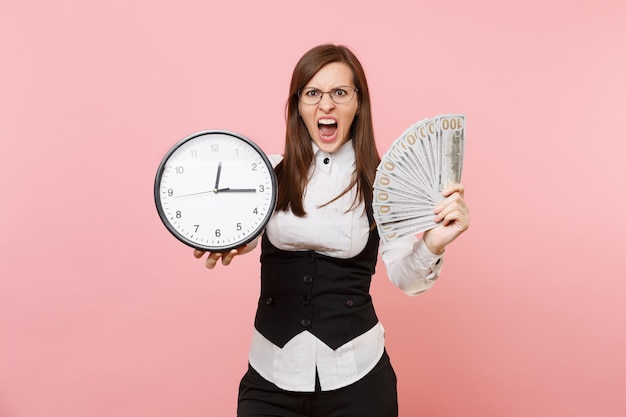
{"x": 227, "y": 257}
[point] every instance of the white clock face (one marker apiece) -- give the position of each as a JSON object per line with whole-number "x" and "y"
{"x": 215, "y": 190}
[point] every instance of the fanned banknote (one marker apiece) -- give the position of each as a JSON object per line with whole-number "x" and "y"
{"x": 414, "y": 171}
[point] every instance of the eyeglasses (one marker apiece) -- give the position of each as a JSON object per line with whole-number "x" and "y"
{"x": 339, "y": 95}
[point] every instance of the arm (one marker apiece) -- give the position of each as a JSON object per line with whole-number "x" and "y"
{"x": 414, "y": 265}
{"x": 410, "y": 265}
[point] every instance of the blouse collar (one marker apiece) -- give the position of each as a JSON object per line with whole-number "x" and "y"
{"x": 344, "y": 158}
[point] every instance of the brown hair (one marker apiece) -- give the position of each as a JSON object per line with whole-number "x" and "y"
{"x": 293, "y": 171}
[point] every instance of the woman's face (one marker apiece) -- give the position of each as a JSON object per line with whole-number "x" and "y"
{"x": 329, "y": 123}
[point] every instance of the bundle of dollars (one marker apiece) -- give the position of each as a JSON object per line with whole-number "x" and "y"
{"x": 413, "y": 172}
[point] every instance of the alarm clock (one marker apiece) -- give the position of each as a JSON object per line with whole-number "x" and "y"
{"x": 215, "y": 190}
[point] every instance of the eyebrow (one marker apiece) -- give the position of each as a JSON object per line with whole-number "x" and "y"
{"x": 339, "y": 86}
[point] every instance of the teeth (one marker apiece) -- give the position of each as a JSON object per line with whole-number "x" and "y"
{"x": 327, "y": 122}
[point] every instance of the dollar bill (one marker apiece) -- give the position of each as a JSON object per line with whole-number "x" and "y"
{"x": 392, "y": 231}
{"x": 396, "y": 183}
{"x": 452, "y": 128}
{"x": 408, "y": 145}
{"x": 418, "y": 165}
{"x": 386, "y": 197}
{"x": 395, "y": 212}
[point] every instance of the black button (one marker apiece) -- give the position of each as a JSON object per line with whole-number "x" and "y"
{"x": 306, "y": 299}
{"x": 309, "y": 257}
{"x": 269, "y": 301}
{"x": 307, "y": 279}
{"x": 305, "y": 322}
{"x": 349, "y": 303}
{"x": 326, "y": 161}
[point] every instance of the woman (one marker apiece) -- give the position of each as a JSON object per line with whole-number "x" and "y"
{"x": 318, "y": 348}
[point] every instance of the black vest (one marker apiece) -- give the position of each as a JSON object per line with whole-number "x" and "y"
{"x": 305, "y": 290}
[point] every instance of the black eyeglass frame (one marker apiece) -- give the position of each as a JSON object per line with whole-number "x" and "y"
{"x": 342, "y": 87}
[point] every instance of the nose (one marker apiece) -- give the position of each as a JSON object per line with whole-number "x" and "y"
{"x": 326, "y": 103}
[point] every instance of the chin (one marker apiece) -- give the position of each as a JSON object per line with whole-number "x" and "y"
{"x": 329, "y": 147}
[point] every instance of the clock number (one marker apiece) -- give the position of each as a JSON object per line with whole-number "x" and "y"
{"x": 261, "y": 188}
{"x": 238, "y": 226}
{"x": 215, "y": 147}
{"x": 179, "y": 214}
{"x": 254, "y": 166}
{"x": 255, "y": 211}
{"x": 194, "y": 153}
{"x": 196, "y": 226}
{"x": 180, "y": 169}
{"x": 170, "y": 192}
{"x": 218, "y": 233}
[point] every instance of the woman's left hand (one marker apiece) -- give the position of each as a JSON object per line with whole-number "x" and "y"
{"x": 227, "y": 257}
{"x": 453, "y": 217}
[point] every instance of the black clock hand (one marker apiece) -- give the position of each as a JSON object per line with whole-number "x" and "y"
{"x": 217, "y": 177}
{"x": 236, "y": 190}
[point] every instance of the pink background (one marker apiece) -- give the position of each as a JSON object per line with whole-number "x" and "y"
{"x": 103, "y": 313}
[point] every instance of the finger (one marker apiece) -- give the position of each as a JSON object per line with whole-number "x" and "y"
{"x": 240, "y": 249}
{"x": 198, "y": 253}
{"x": 451, "y": 205}
{"x": 227, "y": 258}
{"x": 454, "y": 188}
{"x": 458, "y": 219}
{"x": 212, "y": 259}
{"x": 450, "y": 218}
{"x": 450, "y": 202}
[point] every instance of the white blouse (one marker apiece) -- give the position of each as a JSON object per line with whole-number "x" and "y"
{"x": 334, "y": 230}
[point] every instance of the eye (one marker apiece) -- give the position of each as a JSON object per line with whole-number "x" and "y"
{"x": 339, "y": 92}
{"x": 311, "y": 92}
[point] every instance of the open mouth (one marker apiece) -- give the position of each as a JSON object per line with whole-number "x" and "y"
{"x": 327, "y": 128}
